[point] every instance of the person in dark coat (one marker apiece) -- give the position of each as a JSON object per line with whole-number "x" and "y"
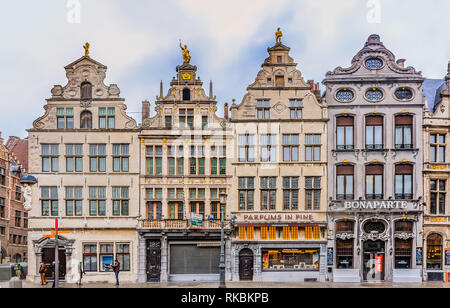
{"x": 116, "y": 269}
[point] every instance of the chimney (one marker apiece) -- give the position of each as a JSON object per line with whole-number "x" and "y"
{"x": 401, "y": 63}
{"x": 145, "y": 110}
{"x": 225, "y": 111}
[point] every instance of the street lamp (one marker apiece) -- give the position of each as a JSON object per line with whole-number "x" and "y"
{"x": 223, "y": 201}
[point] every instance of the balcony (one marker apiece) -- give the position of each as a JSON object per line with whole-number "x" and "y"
{"x": 403, "y": 196}
{"x": 374, "y": 147}
{"x": 345, "y": 197}
{"x": 178, "y": 224}
{"x": 403, "y": 146}
{"x": 374, "y": 197}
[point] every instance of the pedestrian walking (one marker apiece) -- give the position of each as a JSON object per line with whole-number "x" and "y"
{"x": 80, "y": 272}
{"x": 116, "y": 269}
{"x": 42, "y": 272}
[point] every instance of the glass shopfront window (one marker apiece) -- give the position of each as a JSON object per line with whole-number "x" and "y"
{"x": 344, "y": 254}
{"x": 291, "y": 259}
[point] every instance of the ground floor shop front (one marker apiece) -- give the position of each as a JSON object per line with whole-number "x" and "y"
{"x": 181, "y": 256}
{"x": 278, "y": 262}
{"x": 96, "y": 249}
{"x": 436, "y": 249}
{"x": 375, "y": 244}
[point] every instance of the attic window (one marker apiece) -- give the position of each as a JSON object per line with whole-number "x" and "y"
{"x": 279, "y": 59}
{"x": 86, "y": 91}
{"x": 186, "y": 94}
{"x": 279, "y": 81}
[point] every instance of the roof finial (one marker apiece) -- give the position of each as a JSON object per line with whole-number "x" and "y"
{"x": 86, "y": 49}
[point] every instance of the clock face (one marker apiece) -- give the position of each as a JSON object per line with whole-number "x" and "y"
{"x": 186, "y": 76}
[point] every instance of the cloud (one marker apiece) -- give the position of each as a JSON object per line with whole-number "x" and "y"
{"x": 138, "y": 41}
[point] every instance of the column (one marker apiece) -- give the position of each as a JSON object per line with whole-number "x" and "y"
{"x": 164, "y": 259}
{"x": 141, "y": 268}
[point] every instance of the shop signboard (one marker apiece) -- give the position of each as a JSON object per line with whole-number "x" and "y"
{"x": 196, "y": 221}
{"x": 447, "y": 256}
{"x": 330, "y": 256}
{"x": 419, "y": 256}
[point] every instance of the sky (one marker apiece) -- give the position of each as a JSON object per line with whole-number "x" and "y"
{"x": 139, "y": 43}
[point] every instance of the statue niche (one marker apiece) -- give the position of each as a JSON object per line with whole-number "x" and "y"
{"x": 86, "y": 120}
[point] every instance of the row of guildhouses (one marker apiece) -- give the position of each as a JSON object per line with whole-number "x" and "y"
{"x": 346, "y": 185}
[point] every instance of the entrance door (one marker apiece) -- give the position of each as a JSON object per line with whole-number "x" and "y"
{"x": 153, "y": 262}
{"x": 374, "y": 261}
{"x": 48, "y": 257}
{"x": 246, "y": 264}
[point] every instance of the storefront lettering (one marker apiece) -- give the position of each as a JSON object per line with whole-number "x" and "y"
{"x": 376, "y": 205}
{"x": 280, "y": 217}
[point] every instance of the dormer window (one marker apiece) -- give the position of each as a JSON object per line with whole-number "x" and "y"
{"x": 186, "y": 94}
{"x": 86, "y": 91}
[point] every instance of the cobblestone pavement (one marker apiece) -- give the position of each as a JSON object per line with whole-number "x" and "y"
{"x": 192, "y": 285}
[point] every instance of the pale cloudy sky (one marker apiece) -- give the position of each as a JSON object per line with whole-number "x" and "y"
{"x": 138, "y": 41}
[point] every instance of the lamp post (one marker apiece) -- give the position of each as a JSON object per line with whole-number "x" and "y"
{"x": 223, "y": 201}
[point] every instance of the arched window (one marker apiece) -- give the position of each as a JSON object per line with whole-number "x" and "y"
{"x": 186, "y": 94}
{"x": 86, "y": 120}
{"x": 86, "y": 91}
{"x": 434, "y": 252}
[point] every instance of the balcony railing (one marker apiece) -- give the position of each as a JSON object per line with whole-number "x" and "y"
{"x": 403, "y": 196}
{"x": 345, "y": 197}
{"x": 374, "y": 197}
{"x": 403, "y": 146}
{"x": 345, "y": 147}
{"x": 179, "y": 224}
{"x": 374, "y": 147}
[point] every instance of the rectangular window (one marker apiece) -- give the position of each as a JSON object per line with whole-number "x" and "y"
{"x": 437, "y": 148}
{"x": 3, "y": 176}
{"x": 120, "y": 201}
{"x": 296, "y": 109}
{"x": 403, "y": 182}
{"x": 74, "y": 158}
{"x": 90, "y": 258}
{"x": 374, "y": 182}
{"x": 64, "y": 118}
{"x": 106, "y": 257}
{"x": 97, "y": 201}
{"x": 2, "y": 207}
{"x": 106, "y": 117}
{"x": 290, "y": 148}
{"x": 437, "y": 197}
{"x": 204, "y": 122}
{"x": 154, "y": 156}
{"x": 74, "y": 201}
{"x": 49, "y": 201}
{"x": 344, "y": 133}
{"x": 17, "y": 218}
{"x": 268, "y": 148}
{"x": 168, "y": 122}
{"x": 123, "y": 256}
{"x": 290, "y": 193}
{"x": 120, "y": 157}
{"x": 186, "y": 118}
{"x": 403, "y": 132}
{"x": 176, "y": 210}
{"x": 313, "y": 191}
{"x": 344, "y": 182}
{"x": 50, "y": 157}
{"x": 246, "y": 148}
{"x": 263, "y": 109}
{"x": 246, "y": 193}
{"x": 312, "y": 147}
{"x": 268, "y": 193}
{"x": 97, "y": 157}
{"x": 374, "y": 133}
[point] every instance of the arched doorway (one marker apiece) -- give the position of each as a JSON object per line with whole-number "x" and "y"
{"x": 246, "y": 264}
{"x": 434, "y": 252}
{"x": 46, "y": 248}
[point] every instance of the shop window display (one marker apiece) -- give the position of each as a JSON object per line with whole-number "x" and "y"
{"x": 291, "y": 259}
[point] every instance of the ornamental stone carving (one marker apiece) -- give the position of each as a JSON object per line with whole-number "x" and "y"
{"x": 404, "y": 235}
{"x": 344, "y": 236}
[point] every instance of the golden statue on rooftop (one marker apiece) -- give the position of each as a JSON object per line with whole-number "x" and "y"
{"x": 278, "y": 36}
{"x": 186, "y": 53}
{"x": 86, "y": 49}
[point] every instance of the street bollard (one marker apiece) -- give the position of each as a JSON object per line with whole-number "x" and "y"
{"x": 15, "y": 283}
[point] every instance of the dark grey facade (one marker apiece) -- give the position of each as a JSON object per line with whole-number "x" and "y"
{"x": 375, "y": 168}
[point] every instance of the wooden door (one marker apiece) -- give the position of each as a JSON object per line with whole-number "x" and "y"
{"x": 246, "y": 265}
